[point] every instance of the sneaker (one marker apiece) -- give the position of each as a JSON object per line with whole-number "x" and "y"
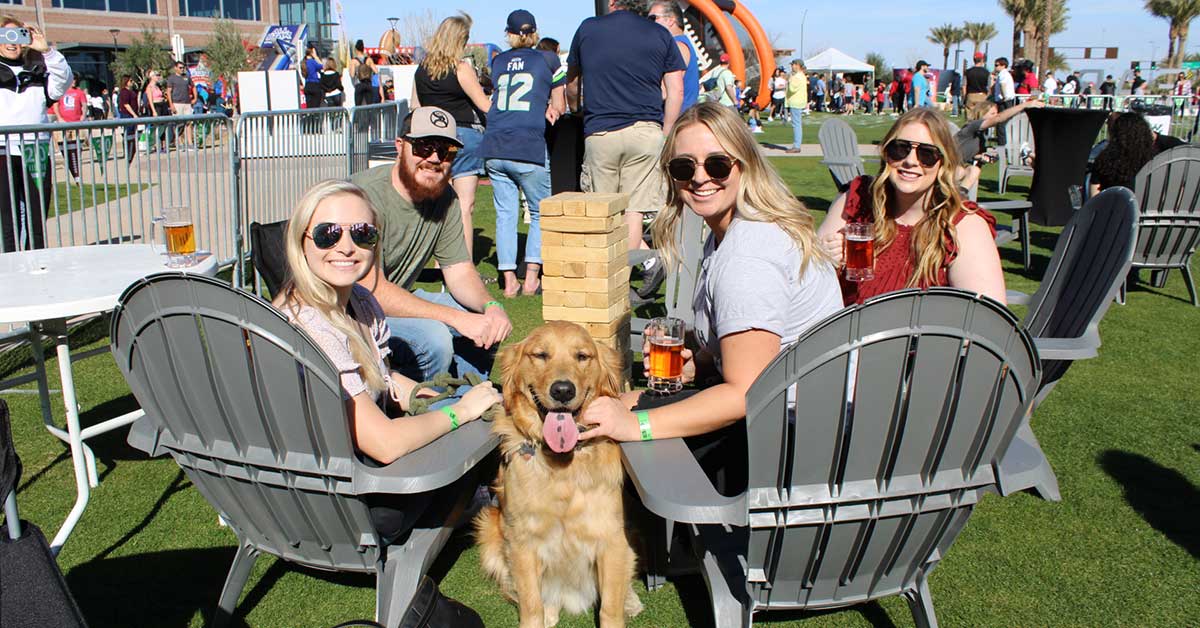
{"x": 651, "y": 282}
{"x": 758, "y": 129}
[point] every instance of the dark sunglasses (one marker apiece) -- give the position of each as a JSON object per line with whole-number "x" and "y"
{"x": 927, "y": 154}
{"x": 326, "y": 235}
{"x": 716, "y": 166}
{"x": 423, "y": 148}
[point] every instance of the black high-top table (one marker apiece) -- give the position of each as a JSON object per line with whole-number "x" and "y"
{"x": 1062, "y": 139}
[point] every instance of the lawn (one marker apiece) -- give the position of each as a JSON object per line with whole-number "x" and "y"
{"x": 1121, "y": 549}
{"x": 72, "y": 197}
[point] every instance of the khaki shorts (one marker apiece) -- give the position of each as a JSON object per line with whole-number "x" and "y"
{"x": 182, "y": 109}
{"x": 977, "y": 106}
{"x": 626, "y": 161}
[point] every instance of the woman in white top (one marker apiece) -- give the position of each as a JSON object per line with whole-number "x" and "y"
{"x": 765, "y": 280}
{"x": 33, "y": 77}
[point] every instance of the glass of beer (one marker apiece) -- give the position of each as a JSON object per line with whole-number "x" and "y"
{"x": 859, "y": 251}
{"x": 181, "y": 236}
{"x": 665, "y": 336}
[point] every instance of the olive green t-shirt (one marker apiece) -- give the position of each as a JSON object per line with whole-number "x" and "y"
{"x": 410, "y": 234}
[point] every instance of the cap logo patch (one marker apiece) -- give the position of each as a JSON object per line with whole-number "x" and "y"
{"x": 439, "y": 119}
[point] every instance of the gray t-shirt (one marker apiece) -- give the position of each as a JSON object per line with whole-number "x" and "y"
{"x": 180, "y": 89}
{"x": 753, "y": 281}
{"x": 412, "y": 235}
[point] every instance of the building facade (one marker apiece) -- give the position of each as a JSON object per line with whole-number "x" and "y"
{"x": 89, "y": 32}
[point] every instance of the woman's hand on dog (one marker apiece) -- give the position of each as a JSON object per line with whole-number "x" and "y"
{"x": 477, "y": 401}
{"x": 689, "y": 364}
{"x": 610, "y": 417}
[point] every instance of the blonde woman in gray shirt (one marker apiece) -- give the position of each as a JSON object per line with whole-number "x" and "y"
{"x": 765, "y": 280}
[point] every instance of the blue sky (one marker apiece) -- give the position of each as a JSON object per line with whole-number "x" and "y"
{"x": 872, "y": 25}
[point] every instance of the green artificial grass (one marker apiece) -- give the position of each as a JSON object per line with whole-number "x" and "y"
{"x": 69, "y": 197}
{"x": 1121, "y": 549}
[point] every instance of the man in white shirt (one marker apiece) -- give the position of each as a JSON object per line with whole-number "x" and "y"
{"x": 1005, "y": 94}
{"x": 1050, "y": 85}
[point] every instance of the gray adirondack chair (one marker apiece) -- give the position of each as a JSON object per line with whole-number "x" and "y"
{"x": 839, "y": 145}
{"x": 1019, "y": 134}
{"x": 681, "y": 278}
{"x": 32, "y": 589}
{"x": 1090, "y": 261}
{"x": 1018, "y": 211}
{"x": 252, "y": 411}
{"x": 903, "y": 406}
{"x": 1168, "y": 193}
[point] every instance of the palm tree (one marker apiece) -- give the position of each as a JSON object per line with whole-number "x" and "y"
{"x": 1029, "y": 20}
{"x": 1180, "y": 13}
{"x": 1020, "y": 11}
{"x": 979, "y": 32}
{"x": 947, "y": 35}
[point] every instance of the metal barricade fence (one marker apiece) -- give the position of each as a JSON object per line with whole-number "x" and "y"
{"x": 373, "y": 130}
{"x": 280, "y": 154}
{"x": 105, "y": 181}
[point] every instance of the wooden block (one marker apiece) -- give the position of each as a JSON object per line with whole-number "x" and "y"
{"x": 574, "y": 270}
{"x": 566, "y": 298}
{"x": 550, "y": 206}
{"x": 552, "y": 238}
{"x": 601, "y": 205}
{"x": 588, "y": 284}
{"x": 586, "y": 314}
{"x": 591, "y": 240}
{"x": 576, "y": 205}
{"x": 604, "y": 330}
{"x": 560, "y": 298}
{"x": 613, "y": 253}
{"x": 571, "y": 224}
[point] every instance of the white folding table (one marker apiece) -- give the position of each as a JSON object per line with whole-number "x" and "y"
{"x": 47, "y": 287}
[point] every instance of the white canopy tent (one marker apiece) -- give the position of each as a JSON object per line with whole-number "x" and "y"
{"x": 834, "y": 60}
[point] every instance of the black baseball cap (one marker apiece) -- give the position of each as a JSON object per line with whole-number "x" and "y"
{"x": 521, "y": 22}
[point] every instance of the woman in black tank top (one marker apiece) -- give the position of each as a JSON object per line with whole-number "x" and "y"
{"x": 445, "y": 80}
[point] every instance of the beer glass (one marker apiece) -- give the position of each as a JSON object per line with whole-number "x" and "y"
{"x": 859, "y": 251}
{"x": 176, "y": 223}
{"x": 666, "y": 354}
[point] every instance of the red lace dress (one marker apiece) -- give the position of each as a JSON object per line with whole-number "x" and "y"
{"x": 894, "y": 266}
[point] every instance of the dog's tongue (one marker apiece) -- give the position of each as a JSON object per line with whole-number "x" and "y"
{"x": 560, "y": 432}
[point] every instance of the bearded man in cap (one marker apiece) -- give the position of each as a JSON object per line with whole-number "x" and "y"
{"x": 458, "y": 329}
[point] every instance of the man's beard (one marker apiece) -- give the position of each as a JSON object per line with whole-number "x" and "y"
{"x": 417, "y": 191}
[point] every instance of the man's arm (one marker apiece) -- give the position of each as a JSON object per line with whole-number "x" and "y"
{"x": 573, "y": 87}
{"x": 398, "y": 302}
{"x": 1008, "y": 114}
{"x": 464, "y": 284}
{"x": 673, "y": 81}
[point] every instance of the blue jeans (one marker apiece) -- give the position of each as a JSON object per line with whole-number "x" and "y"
{"x": 534, "y": 180}
{"x": 469, "y": 161}
{"x": 422, "y": 347}
{"x": 797, "y": 128}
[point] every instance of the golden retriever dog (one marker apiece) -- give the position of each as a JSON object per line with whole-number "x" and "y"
{"x": 557, "y": 539}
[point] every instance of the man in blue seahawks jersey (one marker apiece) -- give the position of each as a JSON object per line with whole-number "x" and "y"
{"x": 528, "y": 93}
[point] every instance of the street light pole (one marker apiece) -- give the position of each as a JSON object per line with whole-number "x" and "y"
{"x": 803, "y": 17}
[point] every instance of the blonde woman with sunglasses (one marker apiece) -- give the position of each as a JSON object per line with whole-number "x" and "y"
{"x": 331, "y": 243}
{"x": 764, "y": 281}
{"x": 926, "y": 234}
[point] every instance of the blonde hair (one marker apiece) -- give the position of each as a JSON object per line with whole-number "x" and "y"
{"x": 761, "y": 197}
{"x": 303, "y": 287}
{"x": 934, "y": 234}
{"x": 7, "y": 20}
{"x": 444, "y": 50}
{"x": 518, "y": 40}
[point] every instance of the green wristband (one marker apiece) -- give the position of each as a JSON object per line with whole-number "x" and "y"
{"x": 491, "y": 303}
{"x": 643, "y": 417}
{"x": 453, "y": 416}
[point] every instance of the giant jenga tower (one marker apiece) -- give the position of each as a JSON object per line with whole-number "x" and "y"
{"x": 585, "y": 265}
